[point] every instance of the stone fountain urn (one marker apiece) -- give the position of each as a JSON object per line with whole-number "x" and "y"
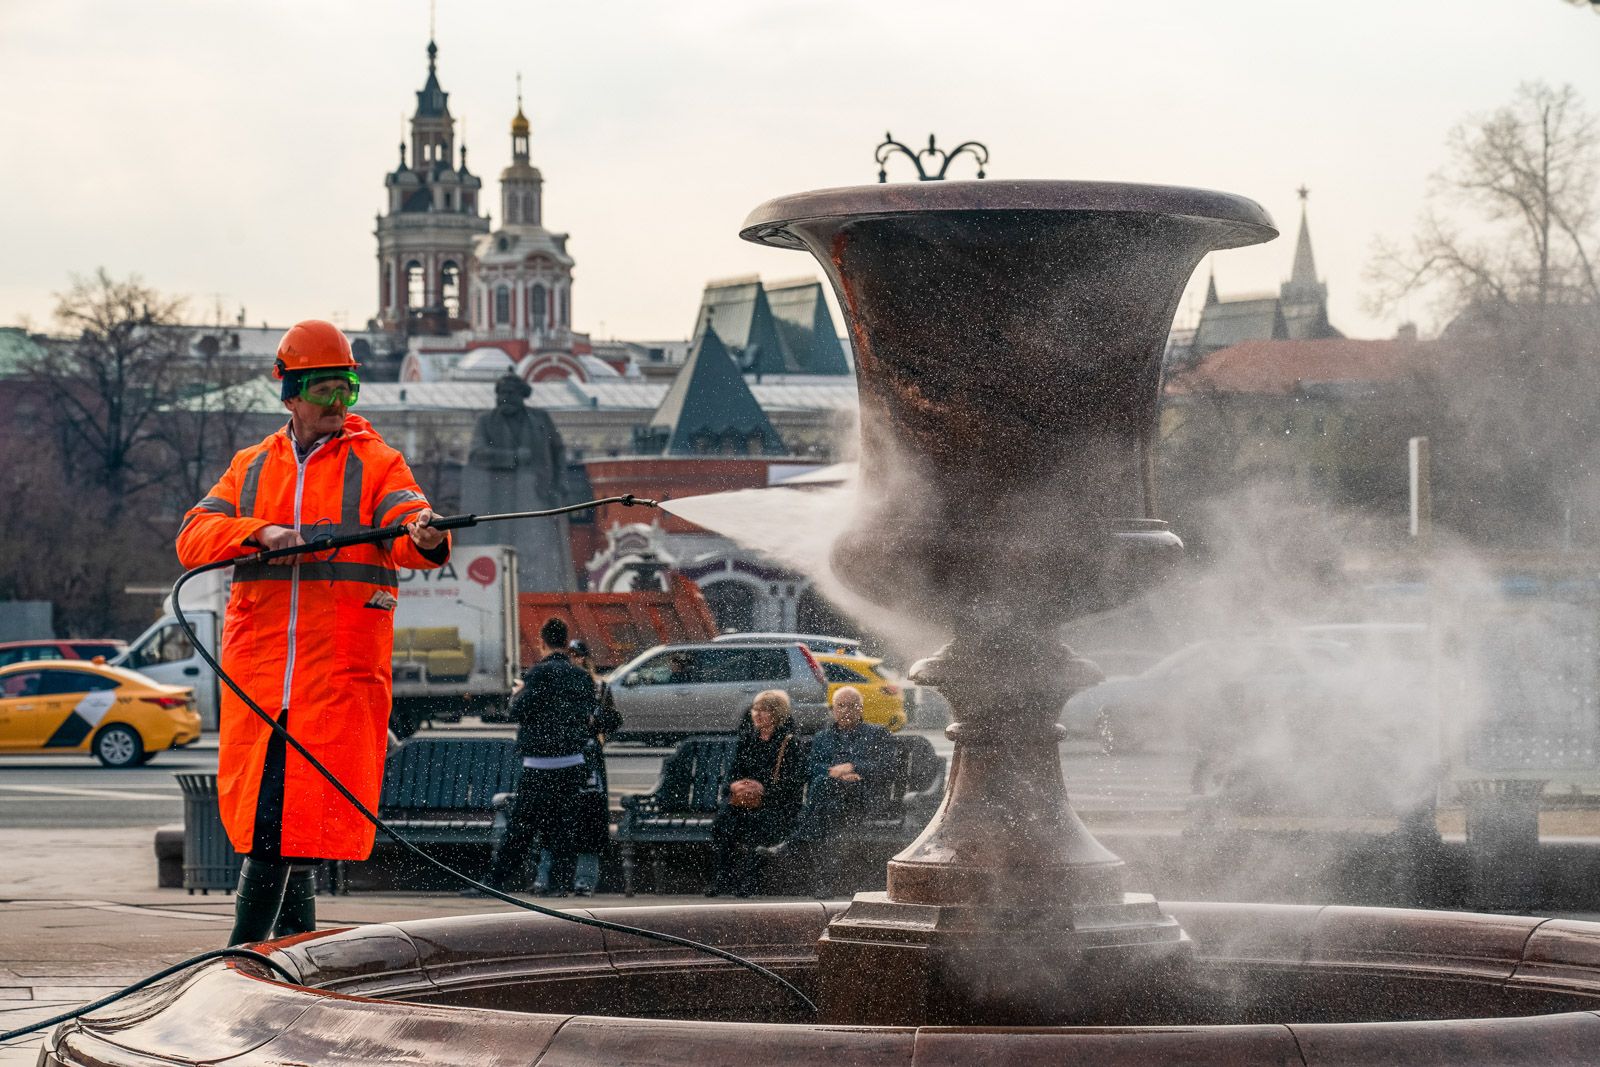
{"x": 1008, "y": 338}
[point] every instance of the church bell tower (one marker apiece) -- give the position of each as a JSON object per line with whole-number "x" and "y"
{"x": 432, "y": 217}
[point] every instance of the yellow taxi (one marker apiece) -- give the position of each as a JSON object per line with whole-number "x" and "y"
{"x": 64, "y": 705}
{"x": 882, "y": 700}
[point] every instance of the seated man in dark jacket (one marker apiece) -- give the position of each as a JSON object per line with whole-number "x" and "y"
{"x": 553, "y": 710}
{"x": 846, "y": 760}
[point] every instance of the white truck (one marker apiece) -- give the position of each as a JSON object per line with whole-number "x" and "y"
{"x": 455, "y": 649}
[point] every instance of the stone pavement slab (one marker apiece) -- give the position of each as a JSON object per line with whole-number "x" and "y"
{"x": 80, "y": 917}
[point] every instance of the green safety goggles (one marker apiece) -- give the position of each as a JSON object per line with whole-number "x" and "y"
{"x": 326, "y": 390}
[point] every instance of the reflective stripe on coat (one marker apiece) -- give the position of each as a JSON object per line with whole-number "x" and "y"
{"x": 315, "y": 636}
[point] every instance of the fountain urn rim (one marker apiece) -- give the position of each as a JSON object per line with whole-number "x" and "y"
{"x": 769, "y": 222}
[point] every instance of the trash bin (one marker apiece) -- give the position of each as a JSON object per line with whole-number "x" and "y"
{"x": 1503, "y": 841}
{"x": 209, "y": 861}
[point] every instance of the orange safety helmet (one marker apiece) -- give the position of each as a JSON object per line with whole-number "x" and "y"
{"x": 313, "y": 345}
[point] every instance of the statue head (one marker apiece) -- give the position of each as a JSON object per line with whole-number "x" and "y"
{"x": 509, "y": 393}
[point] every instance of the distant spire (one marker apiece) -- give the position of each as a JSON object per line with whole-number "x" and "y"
{"x": 519, "y": 129}
{"x": 519, "y": 124}
{"x": 1211, "y": 288}
{"x": 432, "y": 101}
{"x": 1303, "y": 278}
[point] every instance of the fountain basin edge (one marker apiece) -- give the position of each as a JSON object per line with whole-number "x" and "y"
{"x": 1270, "y": 984}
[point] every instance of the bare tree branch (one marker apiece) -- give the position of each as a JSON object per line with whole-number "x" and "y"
{"x": 1511, "y": 218}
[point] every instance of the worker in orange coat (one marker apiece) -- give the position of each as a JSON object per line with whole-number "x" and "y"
{"x": 309, "y": 637}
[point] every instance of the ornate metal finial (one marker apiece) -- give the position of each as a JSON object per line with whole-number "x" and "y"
{"x": 890, "y": 146}
{"x": 1303, "y": 192}
{"x": 519, "y": 92}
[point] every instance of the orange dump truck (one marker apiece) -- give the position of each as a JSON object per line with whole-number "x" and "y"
{"x": 618, "y": 626}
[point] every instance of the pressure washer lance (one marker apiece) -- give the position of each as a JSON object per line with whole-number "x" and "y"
{"x": 330, "y": 544}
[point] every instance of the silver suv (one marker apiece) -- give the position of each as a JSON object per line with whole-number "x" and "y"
{"x": 671, "y": 691}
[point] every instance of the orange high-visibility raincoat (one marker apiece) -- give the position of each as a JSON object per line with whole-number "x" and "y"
{"x": 313, "y": 637}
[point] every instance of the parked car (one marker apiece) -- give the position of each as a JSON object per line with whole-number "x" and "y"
{"x": 118, "y": 715}
{"x": 882, "y": 700}
{"x": 1195, "y": 687}
{"x": 671, "y": 691}
{"x": 65, "y": 648}
{"x": 815, "y": 642}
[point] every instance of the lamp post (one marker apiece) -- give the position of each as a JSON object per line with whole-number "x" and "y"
{"x": 977, "y": 150}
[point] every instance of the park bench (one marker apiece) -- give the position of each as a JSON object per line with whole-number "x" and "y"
{"x": 442, "y": 791}
{"x": 435, "y": 791}
{"x": 679, "y": 810}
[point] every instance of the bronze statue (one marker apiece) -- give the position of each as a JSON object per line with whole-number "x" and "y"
{"x": 517, "y": 463}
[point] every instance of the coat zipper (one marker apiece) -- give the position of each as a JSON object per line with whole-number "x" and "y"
{"x": 294, "y": 579}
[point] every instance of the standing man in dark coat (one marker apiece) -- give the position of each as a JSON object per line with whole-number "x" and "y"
{"x": 847, "y": 761}
{"x": 592, "y": 832}
{"x": 553, "y": 710}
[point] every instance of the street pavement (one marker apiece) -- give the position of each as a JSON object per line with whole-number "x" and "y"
{"x": 74, "y": 931}
{"x": 74, "y": 791}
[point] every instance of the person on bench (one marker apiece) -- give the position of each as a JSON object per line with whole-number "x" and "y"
{"x": 847, "y": 759}
{"x": 762, "y": 796}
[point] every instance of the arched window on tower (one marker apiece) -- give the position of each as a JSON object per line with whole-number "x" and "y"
{"x": 502, "y": 305}
{"x": 416, "y": 286}
{"x": 539, "y": 298}
{"x": 566, "y": 307}
{"x": 450, "y": 288}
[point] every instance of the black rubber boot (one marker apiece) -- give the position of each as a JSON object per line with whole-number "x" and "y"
{"x": 745, "y": 865}
{"x": 256, "y": 904}
{"x": 298, "y": 915}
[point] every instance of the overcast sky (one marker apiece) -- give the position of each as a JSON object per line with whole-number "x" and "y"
{"x": 236, "y": 151}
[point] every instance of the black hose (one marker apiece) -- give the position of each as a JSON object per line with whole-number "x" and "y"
{"x": 324, "y": 544}
{"x": 219, "y": 953}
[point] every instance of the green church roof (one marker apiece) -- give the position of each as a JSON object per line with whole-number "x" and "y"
{"x": 805, "y": 328}
{"x": 17, "y": 351}
{"x": 744, "y": 325}
{"x": 784, "y": 329}
{"x": 709, "y": 409}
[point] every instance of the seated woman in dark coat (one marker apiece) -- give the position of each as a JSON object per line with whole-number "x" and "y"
{"x": 762, "y": 796}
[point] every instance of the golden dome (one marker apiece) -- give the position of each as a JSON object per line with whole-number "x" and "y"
{"x": 519, "y": 125}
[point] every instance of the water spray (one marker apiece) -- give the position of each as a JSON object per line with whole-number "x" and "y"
{"x": 326, "y": 543}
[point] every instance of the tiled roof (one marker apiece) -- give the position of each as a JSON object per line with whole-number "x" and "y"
{"x": 1230, "y": 322}
{"x": 1281, "y": 367}
{"x": 709, "y": 398}
{"x": 17, "y": 349}
{"x": 805, "y": 327}
{"x": 776, "y": 393}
